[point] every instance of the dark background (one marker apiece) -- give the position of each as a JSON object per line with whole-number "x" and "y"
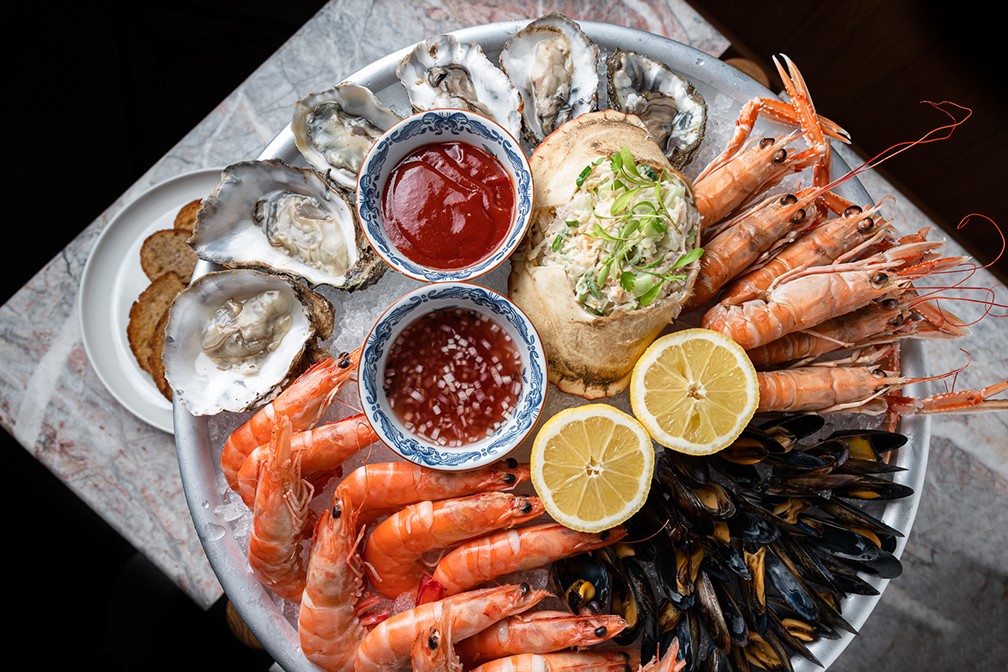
{"x": 101, "y": 91}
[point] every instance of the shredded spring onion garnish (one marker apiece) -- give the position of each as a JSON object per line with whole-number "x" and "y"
{"x": 627, "y": 234}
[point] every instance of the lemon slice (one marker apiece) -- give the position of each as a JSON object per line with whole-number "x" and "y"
{"x": 695, "y": 390}
{"x": 592, "y": 466}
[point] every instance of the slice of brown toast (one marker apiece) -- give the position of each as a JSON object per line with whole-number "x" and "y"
{"x": 155, "y": 363}
{"x": 186, "y": 217}
{"x": 146, "y": 313}
{"x": 167, "y": 250}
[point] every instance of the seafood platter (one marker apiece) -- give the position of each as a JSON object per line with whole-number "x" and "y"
{"x": 675, "y": 201}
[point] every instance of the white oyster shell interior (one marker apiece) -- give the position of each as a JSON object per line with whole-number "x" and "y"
{"x": 443, "y": 72}
{"x": 335, "y": 128}
{"x": 277, "y": 217}
{"x": 233, "y": 339}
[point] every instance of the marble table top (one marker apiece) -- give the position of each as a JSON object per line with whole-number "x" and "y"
{"x": 944, "y": 609}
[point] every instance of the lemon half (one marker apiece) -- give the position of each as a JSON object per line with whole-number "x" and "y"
{"x": 592, "y": 466}
{"x": 695, "y": 390}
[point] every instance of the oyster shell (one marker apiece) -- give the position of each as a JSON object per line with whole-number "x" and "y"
{"x": 236, "y": 337}
{"x": 669, "y": 105}
{"x": 588, "y": 354}
{"x": 554, "y": 66}
{"x": 335, "y": 128}
{"x": 273, "y": 216}
{"x": 442, "y": 72}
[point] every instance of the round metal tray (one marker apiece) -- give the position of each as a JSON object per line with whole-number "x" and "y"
{"x": 725, "y": 89}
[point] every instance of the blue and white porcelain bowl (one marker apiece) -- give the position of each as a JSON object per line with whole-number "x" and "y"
{"x": 436, "y": 126}
{"x": 405, "y": 311}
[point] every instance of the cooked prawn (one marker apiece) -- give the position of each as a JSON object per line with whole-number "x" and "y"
{"x": 335, "y": 607}
{"x": 670, "y": 662}
{"x": 474, "y": 562}
{"x": 280, "y": 519}
{"x": 541, "y": 631}
{"x": 387, "y": 646}
{"x": 321, "y": 450}
{"x": 303, "y": 401}
{"x": 558, "y": 661}
{"x": 381, "y": 488}
{"x": 433, "y": 650}
{"x": 394, "y": 552}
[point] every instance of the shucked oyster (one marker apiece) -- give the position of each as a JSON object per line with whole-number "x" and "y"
{"x": 441, "y": 71}
{"x": 610, "y": 253}
{"x": 554, "y": 66}
{"x": 273, "y": 216}
{"x": 669, "y": 105}
{"x": 335, "y": 128}
{"x": 235, "y": 338}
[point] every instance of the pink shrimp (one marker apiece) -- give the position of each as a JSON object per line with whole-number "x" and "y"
{"x": 500, "y": 553}
{"x": 815, "y": 295}
{"x": 336, "y": 610}
{"x": 542, "y": 631}
{"x": 321, "y": 449}
{"x": 303, "y": 401}
{"x": 387, "y": 646}
{"x": 559, "y": 661}
{"x": 280, "y": 518}
{"x": 395, "y": 548}
{"x": 433, "y": 650}
{"x": 381, "y": 488}
{"x": 670, "y": 662}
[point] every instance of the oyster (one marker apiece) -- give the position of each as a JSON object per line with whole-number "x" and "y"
{"x": 600, "y": 273}
{"x": 236, "y": 337}
{"x": 554, "y": 66}
{"x": 273, "y": 216}
{"x": 442, "y": 72}
{"x": 335, "y": 128}
{"x": 669, "y": 105}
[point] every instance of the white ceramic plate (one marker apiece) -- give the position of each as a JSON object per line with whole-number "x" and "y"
{"x": 112, "y": 281}
{"x": 725, "y": 89}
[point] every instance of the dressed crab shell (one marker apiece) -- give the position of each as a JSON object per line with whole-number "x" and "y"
{"x": 554, "y": 66}
{"x": 443, "y": 72}
{"x": 236, "y": 337}
{"x": 587, "y": 355}
{"x": 335, "y": 128}
{"x": 276, "y": 217}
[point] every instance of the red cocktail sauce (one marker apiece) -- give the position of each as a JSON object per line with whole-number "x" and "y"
{"x": 448, "y": 205}
{"x": 453, "y": 376}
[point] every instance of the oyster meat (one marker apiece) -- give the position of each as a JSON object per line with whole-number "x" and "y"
{"x": 273, "y": 216}
{"x": 335, "y": 128}
{"x": 442, "y": 72}
{"x": 554, "y": 66}
{"x": 669, "y": 105}
{"x": 236, "y": 337}
{"x": 611, "y": 250}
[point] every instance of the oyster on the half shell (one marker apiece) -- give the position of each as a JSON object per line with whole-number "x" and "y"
{"x": 442, "y": 72}
{"x": 668, "y": 104}
{"x": 554, "y": 66}
{"x": 236, "y": 337}
{"x": 270, "y": 215}
{"x": 335, "y": 128}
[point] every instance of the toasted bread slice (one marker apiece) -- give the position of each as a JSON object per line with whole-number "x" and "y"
{"x": 168, "y": 250}
{"x": 186, "y": 217}
{"x": 155, "y": 364}
{"x": 146, "y": 313}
